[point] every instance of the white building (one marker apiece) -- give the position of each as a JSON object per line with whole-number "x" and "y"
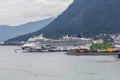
{"x": 98, "y": 41}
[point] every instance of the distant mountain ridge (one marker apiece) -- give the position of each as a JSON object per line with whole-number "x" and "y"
{"x": 90, "y": 17}
{"x": 7, "y": 32}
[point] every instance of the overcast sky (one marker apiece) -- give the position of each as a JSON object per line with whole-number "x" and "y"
{"x": 16, "y": 12}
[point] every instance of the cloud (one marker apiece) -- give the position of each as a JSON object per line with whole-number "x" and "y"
{"x": 15, "y": 12}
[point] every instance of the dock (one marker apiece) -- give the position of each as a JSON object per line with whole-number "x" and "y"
{"x": 92, "y": 54}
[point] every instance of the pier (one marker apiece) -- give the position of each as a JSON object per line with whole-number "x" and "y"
{"x": 92, "y": 54}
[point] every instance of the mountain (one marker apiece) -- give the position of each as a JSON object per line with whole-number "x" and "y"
{"x": 90, "y": 17}
{"x": 7, "y": 32}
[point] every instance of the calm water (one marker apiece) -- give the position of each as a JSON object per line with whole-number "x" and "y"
{"x": 56, "y": 66}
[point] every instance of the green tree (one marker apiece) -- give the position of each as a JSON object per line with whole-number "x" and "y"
{"x": 101, "y": 46}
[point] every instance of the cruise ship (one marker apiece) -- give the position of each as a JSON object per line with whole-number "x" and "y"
{"x": 40, "y": 44}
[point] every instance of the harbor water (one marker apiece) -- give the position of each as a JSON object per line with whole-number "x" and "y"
{"x": 56, "y": 66}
